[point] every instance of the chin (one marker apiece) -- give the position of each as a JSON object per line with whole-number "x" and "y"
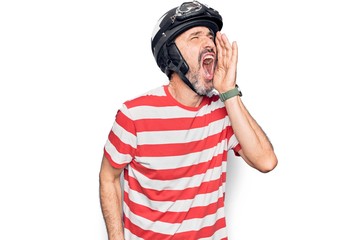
{"x": 203, "y": 91}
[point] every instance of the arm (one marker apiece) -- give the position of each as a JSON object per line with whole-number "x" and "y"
{"x": 110, "y": 199}
{"x": 256, "y": 150}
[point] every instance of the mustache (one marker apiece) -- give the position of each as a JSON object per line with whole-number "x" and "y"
{"x": 206, "y": 50}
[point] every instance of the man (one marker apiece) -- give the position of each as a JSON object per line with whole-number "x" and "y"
{"x": 171, "y": 143}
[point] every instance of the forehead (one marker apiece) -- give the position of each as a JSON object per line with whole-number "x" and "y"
{"x": 197, "y": 30}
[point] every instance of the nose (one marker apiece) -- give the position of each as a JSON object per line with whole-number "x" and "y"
{"x": 209, "y": 43}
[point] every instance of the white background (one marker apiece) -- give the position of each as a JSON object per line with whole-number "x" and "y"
{"x": 67, "y": 66}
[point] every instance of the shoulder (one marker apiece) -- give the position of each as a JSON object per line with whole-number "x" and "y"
{"x": 148, "y": 98}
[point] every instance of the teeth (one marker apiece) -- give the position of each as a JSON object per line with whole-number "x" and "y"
{"x": 208, "y": 59}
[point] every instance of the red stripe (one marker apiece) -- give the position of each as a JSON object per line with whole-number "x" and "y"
{"x": 202, "y": 233}
{"x": 120, "y": 146}
{"x": 173, "y": 195}
{"x": 190, "y": 235}
{"x": 149, "y": 100}
{"x": 111, "y": 161}
{"x": 125, "y": 122}
{"x": 173, "y": 217}
{"x": 176, "y": 149}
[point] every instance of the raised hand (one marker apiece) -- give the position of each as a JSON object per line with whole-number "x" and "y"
{"x": 227, "y": 57}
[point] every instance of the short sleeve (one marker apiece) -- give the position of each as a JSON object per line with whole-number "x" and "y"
{"x": 120, "y": 146}
{"x": 233, "y": 143}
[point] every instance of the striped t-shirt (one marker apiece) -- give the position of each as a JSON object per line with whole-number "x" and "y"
{"x": 175, "y": 166}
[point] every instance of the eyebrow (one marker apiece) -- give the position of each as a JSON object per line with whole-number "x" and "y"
{"x": 200, "y": 32}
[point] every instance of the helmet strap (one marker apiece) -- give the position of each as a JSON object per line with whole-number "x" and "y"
{"x": 177, "y": 68}
{"x": 182, "y": 75}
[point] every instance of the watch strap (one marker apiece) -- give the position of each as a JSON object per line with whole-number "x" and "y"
{"x": 229, "y": 94}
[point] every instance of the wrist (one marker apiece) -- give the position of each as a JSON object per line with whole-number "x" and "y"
{"x": 230, "y": 94}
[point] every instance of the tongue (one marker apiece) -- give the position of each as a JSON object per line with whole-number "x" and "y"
{"x": 208, "y": 69}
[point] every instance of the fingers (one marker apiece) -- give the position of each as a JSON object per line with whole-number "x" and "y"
{"x": 234, "y": 52}
{"x": 219, "y": 46}
{"x": 227, "y": 58}
{"x": 227, "y": 52}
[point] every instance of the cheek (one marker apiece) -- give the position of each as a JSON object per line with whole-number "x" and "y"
{"x": 189, "y": 52}
{"x": 190, "y": 56}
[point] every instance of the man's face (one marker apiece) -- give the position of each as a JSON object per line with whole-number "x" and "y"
{"x": 198, "y": 49}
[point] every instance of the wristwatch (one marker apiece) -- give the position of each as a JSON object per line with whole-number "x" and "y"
{"x": 231, "y": 93}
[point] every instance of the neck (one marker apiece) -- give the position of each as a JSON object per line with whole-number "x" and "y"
{"x": 182, "y": 93}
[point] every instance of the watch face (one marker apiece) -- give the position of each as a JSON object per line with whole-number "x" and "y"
{"x": 240, "y": 93}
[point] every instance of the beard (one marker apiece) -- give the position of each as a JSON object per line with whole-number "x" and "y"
{"x": 200, "y": 87}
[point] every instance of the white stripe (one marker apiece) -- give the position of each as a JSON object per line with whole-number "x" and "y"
{"x": 172, "y": 112}
{"x": 173, "y": 162}
{"x": 150, "y": 112}
{"x": 159, "y": 91}
{"x": 196, "y": 224}
{"x": 117, "y": 157}
{"x": 178, "y": 205}
{"x": 224, "y": 187}
{"x": 233, "y": 141}
{"x": 172, "y": 228}
{"x": 182, "y": 136}
{"x": 124, "y": 135}
{"x": 179, "y": 183}
{"x": 219, "y": 234}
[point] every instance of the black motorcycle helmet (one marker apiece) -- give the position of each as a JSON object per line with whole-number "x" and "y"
{"x": 172, "y": 24}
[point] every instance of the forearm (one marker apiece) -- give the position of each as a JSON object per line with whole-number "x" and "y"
{"x": 256, "y": 146}
{"x": 110, "y": 198}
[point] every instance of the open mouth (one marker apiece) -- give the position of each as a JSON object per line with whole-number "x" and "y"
{"x": 208, "y": 64}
